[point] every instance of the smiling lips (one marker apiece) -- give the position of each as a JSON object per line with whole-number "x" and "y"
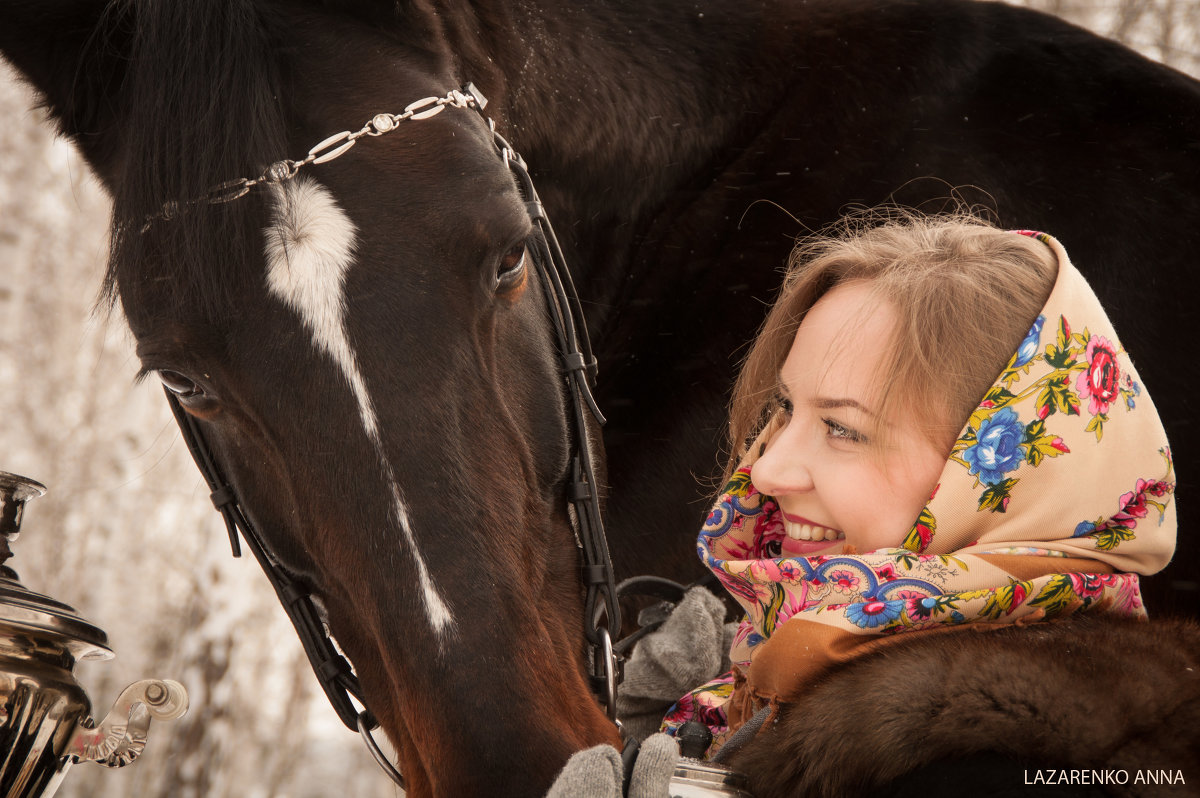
{"x": 805, "y": 537}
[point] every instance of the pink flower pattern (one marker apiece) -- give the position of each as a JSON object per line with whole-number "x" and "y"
{"x": 844, "y": 581}
{"x": 1100, "y": 381}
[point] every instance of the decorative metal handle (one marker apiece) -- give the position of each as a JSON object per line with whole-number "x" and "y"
{"x": 121, "y": 736}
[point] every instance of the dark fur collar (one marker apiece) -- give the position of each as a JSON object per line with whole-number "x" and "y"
{"x": 1086, "y": 693}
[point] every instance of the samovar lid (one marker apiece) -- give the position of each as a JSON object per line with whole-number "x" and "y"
{"x": 25, "y": 615}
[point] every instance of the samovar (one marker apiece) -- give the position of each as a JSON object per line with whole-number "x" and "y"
{"x": 45, "y": 715}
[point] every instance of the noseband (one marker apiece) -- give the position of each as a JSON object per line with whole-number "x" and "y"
{"x": 579, "y": 369}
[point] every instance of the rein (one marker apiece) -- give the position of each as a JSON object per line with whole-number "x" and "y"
{"x": 332, "y": 669}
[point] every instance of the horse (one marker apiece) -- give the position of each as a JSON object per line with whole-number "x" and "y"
{"x": 364, "y": 342}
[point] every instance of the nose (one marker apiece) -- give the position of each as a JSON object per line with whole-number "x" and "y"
{"x": 783, "y": 468}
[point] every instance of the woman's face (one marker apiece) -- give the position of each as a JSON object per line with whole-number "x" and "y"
{"x": 838, "y": 481}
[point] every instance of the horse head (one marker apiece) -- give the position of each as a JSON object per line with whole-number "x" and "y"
{"x": 363, "y": 342}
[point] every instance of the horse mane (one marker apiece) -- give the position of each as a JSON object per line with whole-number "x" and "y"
{"x": 201, "y": 103}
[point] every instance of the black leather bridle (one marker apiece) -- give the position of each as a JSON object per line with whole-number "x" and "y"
{"x": 601, "y": 610}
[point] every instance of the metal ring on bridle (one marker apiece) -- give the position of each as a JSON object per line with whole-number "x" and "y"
{"x": 609, "y": 660}
{"x": 365, "y": 723}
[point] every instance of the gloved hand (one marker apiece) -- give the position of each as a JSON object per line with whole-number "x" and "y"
{"x": 689, "y": 649}
{"x": 597, "y": 772}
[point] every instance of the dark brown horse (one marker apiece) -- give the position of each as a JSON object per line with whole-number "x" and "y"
{"x": 369, "y": 355}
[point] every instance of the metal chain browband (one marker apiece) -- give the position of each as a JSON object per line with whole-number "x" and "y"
{"x": 579, "y": 367}
{"x": 332, "y": 147}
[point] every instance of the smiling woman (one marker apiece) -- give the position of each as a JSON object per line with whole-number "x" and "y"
{"x": 919, "y": 457}
{"x": 891, "y": 336}
{"x": 830, "y": 448}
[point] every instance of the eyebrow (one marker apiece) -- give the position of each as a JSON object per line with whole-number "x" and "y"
{"x": 827, "y": 403}
{"x": 834, "y": 404}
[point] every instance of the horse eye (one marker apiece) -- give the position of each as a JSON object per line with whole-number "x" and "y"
{"x": 511, "y": 265}
{"x": 179, "y": 385}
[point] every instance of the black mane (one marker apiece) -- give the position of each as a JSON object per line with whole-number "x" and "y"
{"x": 201, "y": 104}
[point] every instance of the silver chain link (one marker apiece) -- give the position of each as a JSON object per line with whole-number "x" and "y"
{"x": 333, "y": 147}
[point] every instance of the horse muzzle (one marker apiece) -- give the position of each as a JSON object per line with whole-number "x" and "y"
{"x": 45, "y": 715}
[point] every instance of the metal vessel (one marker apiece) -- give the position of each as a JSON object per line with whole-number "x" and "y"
{"x": 45, "y": 715}
{"x": 695, "y": 779}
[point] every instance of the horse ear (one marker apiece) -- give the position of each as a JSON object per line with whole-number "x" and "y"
{"x": 73, "y": 53}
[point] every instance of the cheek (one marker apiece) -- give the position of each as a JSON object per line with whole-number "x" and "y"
{"x": 890, "y": 499}
{"x": 875, "y": 513}
{"x": 920, "y": 476}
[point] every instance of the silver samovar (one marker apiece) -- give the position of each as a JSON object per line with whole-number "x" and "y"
{"x": 45, "y": 715}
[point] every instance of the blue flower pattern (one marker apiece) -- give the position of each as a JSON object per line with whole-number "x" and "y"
{"x": 1083, "y": 529}
{"x": 869, "y": 614}
{"x": 1029, "y": 346}
{"x": 998, "y": 447}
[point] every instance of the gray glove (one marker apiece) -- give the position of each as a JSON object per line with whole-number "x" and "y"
{"x": 597, "y": 772}
{"x": 592, "y": 773}
{"x": 654, "y": 766}
{"x": 689, "y": 649}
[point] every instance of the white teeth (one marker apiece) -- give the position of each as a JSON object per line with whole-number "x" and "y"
{"x": 810, "y": 532}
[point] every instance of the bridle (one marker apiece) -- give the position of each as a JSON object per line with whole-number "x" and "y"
{"x": 601, "y": 610}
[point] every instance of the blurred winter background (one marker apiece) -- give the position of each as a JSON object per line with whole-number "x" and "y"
{"x": 126, "y": 534}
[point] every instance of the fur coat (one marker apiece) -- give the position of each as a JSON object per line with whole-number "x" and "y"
{"x": 1010, "y": 710}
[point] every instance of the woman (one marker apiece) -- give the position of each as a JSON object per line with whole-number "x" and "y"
{"x": 941, "y": 433}
{"x": 937, "y": 431}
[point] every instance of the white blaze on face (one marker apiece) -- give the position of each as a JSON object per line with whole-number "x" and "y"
{"x": 309, "y": 249}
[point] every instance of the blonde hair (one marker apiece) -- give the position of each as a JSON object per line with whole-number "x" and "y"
{"x": 965, "y": 294}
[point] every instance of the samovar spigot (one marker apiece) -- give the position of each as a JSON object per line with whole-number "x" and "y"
{"x": 45, "y": 715}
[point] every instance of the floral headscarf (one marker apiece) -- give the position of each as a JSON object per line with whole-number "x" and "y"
{"x": 1057, "y": 488}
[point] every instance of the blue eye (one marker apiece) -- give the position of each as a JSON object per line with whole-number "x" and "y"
{"x": 836, "y": 430}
